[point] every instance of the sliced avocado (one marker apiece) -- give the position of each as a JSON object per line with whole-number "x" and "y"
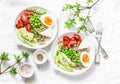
{"x": 24, "y": 40}
{"x": 56, "y": 60}
{"x": 67, "y": 59}
{"x": 26, "y": 35}
{"x": 62, "y": 60}
{"x": 66, "y": 68}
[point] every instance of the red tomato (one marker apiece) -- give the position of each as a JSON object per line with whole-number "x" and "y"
{"x": 24, "y": 18}
{"x": 78, "y": 43}
{"x": 27, "y": 12}
{"x": 73, "y": 42}
{"x": 28, "y": 27}
{"x": 28, "y": 21}
{"x": 65, "y": 43}
{"x": 77, "y": 37}
{"x": 19, "y": 24}
{"x": 66, "y": 38}
{"x": 69, "y": 46}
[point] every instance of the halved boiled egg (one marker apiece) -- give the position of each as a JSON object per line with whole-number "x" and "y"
{"x": 85, "y": 58}
{"x": 47, "y": 20}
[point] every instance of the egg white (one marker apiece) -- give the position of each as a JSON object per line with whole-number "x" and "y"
{"x": 43, "y": 17}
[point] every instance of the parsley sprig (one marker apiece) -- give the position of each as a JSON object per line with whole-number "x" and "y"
{"x": 12, "y": 69}
{"x": 77, "y": 8}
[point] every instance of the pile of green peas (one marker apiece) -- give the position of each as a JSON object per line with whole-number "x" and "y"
{"x": 71, "y": 53}
{"x": 35, "y": 21}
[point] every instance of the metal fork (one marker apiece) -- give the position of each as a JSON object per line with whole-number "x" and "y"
{"x": 99, "y": 31}
{"x": 91, "y": 30}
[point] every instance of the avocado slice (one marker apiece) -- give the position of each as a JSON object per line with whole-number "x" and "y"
{"x": 24, "y": 40}
{"x": 66, "y": 68}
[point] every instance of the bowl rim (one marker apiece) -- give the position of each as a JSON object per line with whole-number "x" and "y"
{"x": 33, "y": 70}
{"x": 44, "y": 59}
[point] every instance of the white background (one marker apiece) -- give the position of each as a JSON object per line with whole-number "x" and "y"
{"x": 107, "y": 12}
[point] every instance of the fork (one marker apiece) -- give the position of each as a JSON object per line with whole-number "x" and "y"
{"x": 99, "y": 31}
{"x": 91, "y": 30}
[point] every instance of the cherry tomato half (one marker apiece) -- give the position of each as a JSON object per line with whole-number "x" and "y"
{"x": 27, "y": 12}
{"x": 77, "y": 37}
{"x": 24, "y": 18}
{"x": 73, "y": 42}
{"x": 66, "y": 38}
{"x": 28, "y": 27}
{"x": 19, "y": 24}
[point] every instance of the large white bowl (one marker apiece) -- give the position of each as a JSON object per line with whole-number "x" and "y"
{"x": 93, "y": 47}
{"x": 54, "y": 29}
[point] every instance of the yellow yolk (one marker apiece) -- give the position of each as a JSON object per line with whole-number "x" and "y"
{"x": 85, "y": 58}
{"x": 48, "y": 20}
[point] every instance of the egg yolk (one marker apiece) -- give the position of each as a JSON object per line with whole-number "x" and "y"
{"x": 85, "y": 58}
{"x": 48, "y": 20}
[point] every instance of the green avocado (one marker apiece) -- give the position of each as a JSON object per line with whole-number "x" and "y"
{"x": 25, "y": 39}
{"x": 63, "y": 62}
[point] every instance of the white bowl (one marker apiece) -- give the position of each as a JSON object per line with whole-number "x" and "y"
{"x": 93, "y": 47}
{"x": 40, "y": 51}
{"x": 54, "y": 29}
{"x": 26, "y": 76}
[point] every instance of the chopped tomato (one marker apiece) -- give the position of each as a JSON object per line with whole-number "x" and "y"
{"x": 24, "y": 18}
{"x": 78, "y": 43}
{"x": 19, "y": 24}
{"x": 73, "y": 42}
{"x": 77, "y": 37}
{"x": 65, "y": 43}
{"x": 69, "y": 46}
{"x": 27, "y": 12}
{"x": 66, "y": 38}
{"x": 70, "y": 42}
{"x": 28, "y": 27}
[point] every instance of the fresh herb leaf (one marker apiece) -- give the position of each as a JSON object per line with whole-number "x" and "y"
{"x": 77, "y": 5}
{"x": 82, "y": 28}
{"x": 17, "y": 58}
{"x": 4, "y": 56}
{"x": 82, "y": 19}
{"x": 67, "y": 7}
{"x": 77, "y": 13}
{"x": 69, "y": 23}
{"x": 89, "y": 1}
{"x": 13, "y": 71}
{"x": 25, "y": 54}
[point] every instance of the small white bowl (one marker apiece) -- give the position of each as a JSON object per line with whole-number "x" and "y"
{"x": 43, "y": 53}
{"x": 22, "y": 73}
